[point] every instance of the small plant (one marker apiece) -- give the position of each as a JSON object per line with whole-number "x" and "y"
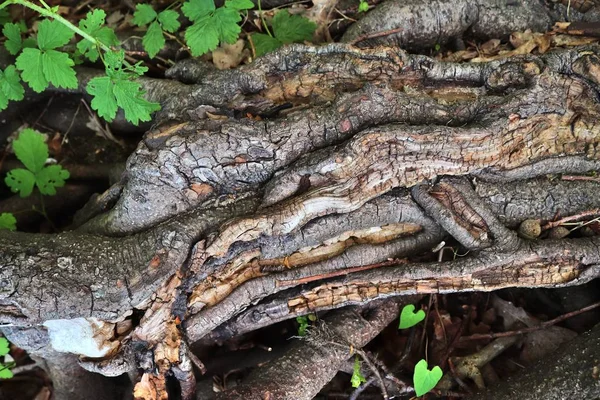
{"x": 424, "y": 379}
{"x": 5, "y": 372}
{"x": 363, "y": 6}
{"x": 357, "y": 378}
{"x": 8, "y": 221}
{"x": 304, "y": 322}
{"x": 409, "y": 318}
{"x": 165, "y": 21}
{"x": 287, "y": 29}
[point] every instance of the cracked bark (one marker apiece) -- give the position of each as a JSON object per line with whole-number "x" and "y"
{"x": 220, "y": 227}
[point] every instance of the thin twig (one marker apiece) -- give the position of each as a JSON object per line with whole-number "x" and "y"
{"x": 571, "y": 218}
{"x": 375, "y": 35}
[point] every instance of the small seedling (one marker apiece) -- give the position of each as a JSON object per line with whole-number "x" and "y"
{"x": 363, "y": 6}
{"x": 8, "y": 221}
{"x": 304, "y": 322}
{"x": 409, "y": 318}
{"x": 357, "y": 378}
{"x": 424, "y": 379}
{"x": 32, "y": 151}
{"x": 5, "y": 372}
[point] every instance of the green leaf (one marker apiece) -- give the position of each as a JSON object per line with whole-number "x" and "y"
{"x": 30, "y": 62}
{"x": 409, "y": 318}
{"x": 13, "y": 43}
{"x": 31, "y": 149}
{"x": 109, "y": 93}
{"x": 130, "y": 98}
{"x": 239, "y": 5}
{"x": 357, "y": 377}
{"x": 169, "y": 20}
{"x": 10, "y": 86}
{"x": 51, "y": 177}
{"x": 202, "y": 37}
{"x": 143, "y": 15}
{"x": 104, "y": 101}
{"x": 53, "y": 34}
{"x": 93, "y": 25}
{"x": 20, "y": 181}
{"x": 292, "y": 28}
{"x": 197, "y": 9}
{"x": 302, "y": 325}
{"x": 154, "y": 39}
{"x": 58, "y": 69}
{"x": 5, "y": 372}
{"x": 363, "y": 6}
{"x": 226, "y": 20}
{"x": 264, "y": 43}
{"x": 4, "y": 345}
{"x": 424, "y": 379}
{"x": 7, "y": 221}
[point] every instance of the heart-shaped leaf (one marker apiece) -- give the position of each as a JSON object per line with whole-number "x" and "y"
{"x": 423, "y": 379}
{"x": 408, "y": 316}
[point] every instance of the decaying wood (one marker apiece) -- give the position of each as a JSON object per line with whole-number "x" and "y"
{"x": 220, "y": 226}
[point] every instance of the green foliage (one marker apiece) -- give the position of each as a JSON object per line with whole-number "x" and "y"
{"x": 119, "y": 89}
{"x": 93, "y": 25}
{"x": 357, "y": 378}
{"x": 10, "y": 86}
{"x": 304, "y": 322}
{"x": 410, "y": 318}
{"x": 14, "y": 42}
{"x": 31, "y": 150}
{"x": 212, "y": 25}
{"x": 44, "y": 65}
{"x": 5, "y": 372}
{"x": 287, "y": 29}
{"x": 363, "y": 6}
{"x": 166, "y": 20}
{"x": 8, "y": 221}
{"x": 424, "y": 379}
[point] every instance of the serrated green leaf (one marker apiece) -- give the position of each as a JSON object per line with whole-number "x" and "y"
{"x": 239, "y": 4}
{"x": 153, "y": 40}
{"x": 202, "y": 37}
{"x": 357, "y": 378}
{"x": 363, "y": 6}
{"x": 197, "y": 9}
{"x": 10, "y": 86}
{"x": 93, "y": 25}
{"x": 289, "y": 28}
{"x": 424, "y": 379}
{"x": 5, "y": 372}
{"x": 7, "y": 221}
{"x": 143, "y": 15}
{"x": 4, "y": 345}
{"x": 58, "y": 69}
{"x": 53, "y": 34}
{"x": 226, "y": 20}
{"x": 129, "y": 96}
{"x": 30, "y": 62}
{"x": 29, "y": 43}
{"x": 103, "y": 101}
{"x": 31, "y": 149}
{"x": 169, "y": 20}
{"x": 264, "y": 43}
{"x": 51, "y": 177}
{"x": 20, "y": 181}
{"x": 13, "y": 43}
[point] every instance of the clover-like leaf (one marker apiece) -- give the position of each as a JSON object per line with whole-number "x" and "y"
{"x": 31, "y": 149}
{"x": 4, "y": 345}
{"x": 20, "y": 181}
{"x": 424, "y": 379}
{"x": 7, "y": 221}
{"x": 51, "y": 177}
{"x": 410, "y": 318}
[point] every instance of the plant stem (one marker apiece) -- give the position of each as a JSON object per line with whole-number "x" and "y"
{"x": 50, "y": 14}
{"x": 262, "y": 18}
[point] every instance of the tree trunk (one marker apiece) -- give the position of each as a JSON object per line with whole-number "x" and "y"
{"x": 362, "y": 160}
